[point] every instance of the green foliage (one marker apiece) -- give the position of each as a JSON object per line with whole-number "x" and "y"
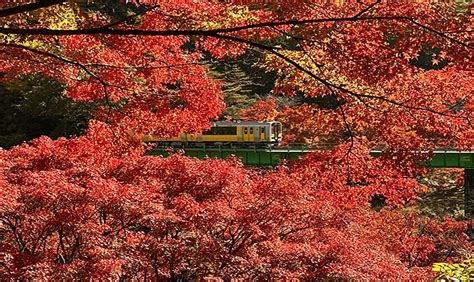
{"x": 35, "y": 106}
{"x": 445, "y": 194}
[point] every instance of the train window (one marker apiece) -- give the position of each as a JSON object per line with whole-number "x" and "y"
{"x": 262, "y": 130}
{"x": 245, "y": 130}
{"x": 221, "y": 131}
{"x": 251, "y": 130}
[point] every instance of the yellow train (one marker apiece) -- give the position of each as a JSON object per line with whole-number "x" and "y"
{"x": 228, "y": 132}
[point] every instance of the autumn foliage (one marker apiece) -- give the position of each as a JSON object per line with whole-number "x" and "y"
{"x": 96, "y": 207}
{"x": 67, "y": 213}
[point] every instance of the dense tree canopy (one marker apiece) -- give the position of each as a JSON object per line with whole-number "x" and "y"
{"x": 181, "y": 218}
{"x": 94, "y": 206}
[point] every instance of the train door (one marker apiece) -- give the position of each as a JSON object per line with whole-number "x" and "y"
{"x": 245, "y": 134}
{"x": 252, "y": 133}
{"x": 278, "y": 131}
{"x": 262, "y": 134}
{"x": 248, "y": 134}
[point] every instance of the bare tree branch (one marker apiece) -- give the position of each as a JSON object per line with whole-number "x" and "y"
{"x": 212, "y": 32}
{"x": 107, "y": 30}
{"x": 440, "y": 34}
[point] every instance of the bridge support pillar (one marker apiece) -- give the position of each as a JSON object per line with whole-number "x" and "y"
{"x": 469, "y": 198}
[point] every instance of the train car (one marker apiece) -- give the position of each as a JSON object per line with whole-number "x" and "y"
{"x": 229, "y": 132}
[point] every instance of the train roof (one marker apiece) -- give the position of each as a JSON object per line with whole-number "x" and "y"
{"x": 256, "y": 123}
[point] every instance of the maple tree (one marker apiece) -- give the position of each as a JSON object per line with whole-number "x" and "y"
{"x": 182, "y": 218}
{"x": 95, "y": 207}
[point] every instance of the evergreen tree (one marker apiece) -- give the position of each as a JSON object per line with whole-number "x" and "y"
{"x": 244, "y": 82}
{"x": 33, "y": 106}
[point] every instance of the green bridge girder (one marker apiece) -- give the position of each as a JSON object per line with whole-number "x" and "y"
{"x": 273, "y": 156}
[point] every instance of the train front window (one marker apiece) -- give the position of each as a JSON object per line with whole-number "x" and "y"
{"x": 221, "y": 131}
{"x": 279, "y": 130}
{"x": 276, "y": 130}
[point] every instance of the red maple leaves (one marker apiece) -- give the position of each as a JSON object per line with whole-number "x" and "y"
{"x": 70, "y": 209}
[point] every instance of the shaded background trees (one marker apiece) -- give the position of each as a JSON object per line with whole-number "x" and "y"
{"x": 34, "y": 106}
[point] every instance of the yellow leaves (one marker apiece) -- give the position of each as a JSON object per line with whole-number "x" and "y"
{"x": 54, "y": 17}
{"x": 239, "y": 13}
{"x": 19, "y": 40}
{"x": 234, "y": 15}
{"x": 463, "y": 271}
{"x": 34, "y": 44}
{"x": 289, "y": 78}
{"x": 409, "y": 54}
{"x": 8, "y": 38}
{"x": 59, "y": 17}
{"x": 211, "y": 25}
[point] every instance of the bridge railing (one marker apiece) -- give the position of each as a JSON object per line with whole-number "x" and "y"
{"x": 254, "y": 155}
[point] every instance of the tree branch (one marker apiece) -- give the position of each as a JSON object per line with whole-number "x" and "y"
{"x": 143, "y": 32}
{"x": 327, "y": 83}
{"x": 439, "y": 33}
{"x": 29, "y": 7}
{"x": 106, "y": 29}
{"x": 218, "y": 33}
{"x": 59, "y": 58}
{"x": 369, "y": 7}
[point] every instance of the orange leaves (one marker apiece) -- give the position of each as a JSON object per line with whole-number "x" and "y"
{"x": 128, "y": 71}
{"x": 370, "y": 65}
{"x": 343, "y": 172}
{"x": 370, "y": 56}
{"x": 309, "y": 124}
